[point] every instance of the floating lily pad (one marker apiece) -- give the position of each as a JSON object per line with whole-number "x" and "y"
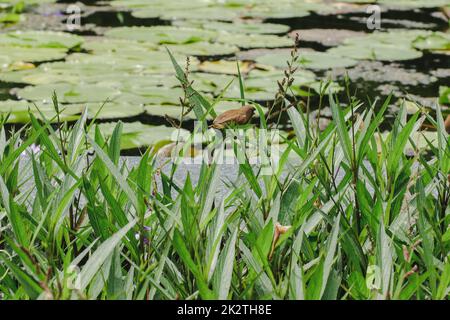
{"x": 14, "y": 76}
{"x": 303, "y": 79}
{"x": 271, "y": 81}
{"x": 218, "y": 13}
{"x": 68, "y": 93}
{"x": 116, "y": 46}
{"x": 158, "y": 95}
{"x": 326, "y": 37}
{"x": 161, "y": 34}
{"x": 415, "y": 3}
{"x": 26, "y": 2}
{"x": 225, "y": 67}
{"x": 308, "y": 59}
{"x": 108, "y": 110}
{"x": 162, "y": 111}
{"x": 268, "y": 79}
{"x": 148, "y": 62}
{"x": 137, "y": 135}
{"x": 154, "y": 3}
{"x": 376, "y": 51}
{"x": 318, "y": 87}
{"x": 10, "y": 55}
{"x": 207, "y": 82}
{"x": 140, "y": 84}
{"x": 112, "y": 78}
{"x": 249, "y": 41}
{"x": 64, "y": 72}
{"x": 434, "y": 41}
{"x": 19, "y": 111}
{"x": 276, "y": 12}
{"x": 255, "y": 94}
{"x": 248, "y": 28}
{"x": 175, "y": 112}
{"x": 43, "y": 39}
{"x": 204, "y": 49}
{"x": 400, "y": 38}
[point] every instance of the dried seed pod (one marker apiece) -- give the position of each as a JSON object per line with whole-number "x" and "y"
{"x": 279, "y": 230}
{"x": 411, "y": 272}
{"x": 406, "y": 254}
{"x": 318, "y": 203}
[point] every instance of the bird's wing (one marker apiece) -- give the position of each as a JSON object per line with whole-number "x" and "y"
{"x": 227, "y": 116}
{"x": 242, "y": 118}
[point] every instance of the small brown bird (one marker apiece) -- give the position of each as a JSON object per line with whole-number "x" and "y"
{"x": 447, "y": 124}
{"x": 236, "y": 116}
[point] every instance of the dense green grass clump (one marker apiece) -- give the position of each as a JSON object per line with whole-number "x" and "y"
{"x": 75, "y": 223}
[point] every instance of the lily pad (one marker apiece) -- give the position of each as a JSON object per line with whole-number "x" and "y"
{"x": 116, "y": 46}
{"x": 225, "y": 67}
{"x": 175, "y": 112}
{"x": 14, "y": 76}
{"x": 268, "y": 79}
{"x": 19, "y": 111}
{"x": 43, "y": 39}
{"x": 434, "y": 41}
{"x": 162, "y": 111}
{"x": 309, "y": 59}
{"x": 148, "y": 62}
{"x": 108, "y": 110}
{"x": 400, "y": 38}
{"x": 10, "y": 55}
{"x": 248, "y": 41}
{"x": 276, "y": 11}
{"x": 160, "y": 95}
{"x": 161, "y": 34}
{"x": 218, "y": 13}
{"x": 247, "y": 28}
{"x": 208, "y": 82}
{"x": 415, "y": 3}
{"x": 255, "y": 93}
{"x": 386, "y": 46}
{"x": 204, "y": 49}
{"x": 167, "y": 4}
{"x": 376, "y": 51}
{"x": 68, "y": 93}
{"x": 137, "y": 135}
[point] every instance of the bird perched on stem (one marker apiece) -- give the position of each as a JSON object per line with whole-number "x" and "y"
{"x": 236, "y": 116}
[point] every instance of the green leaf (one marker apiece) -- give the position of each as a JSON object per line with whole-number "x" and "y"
{"x": 30, "y": 286}
{"x": 183, "y": 252}
{"x": 100, "y": 255}
{"x": 224, "y": 271}
{"x": 329, "y": 257}
{"x": 384, "y": 261}
{"x": 341, "y": 125}
{"x": 114, "y": 172}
